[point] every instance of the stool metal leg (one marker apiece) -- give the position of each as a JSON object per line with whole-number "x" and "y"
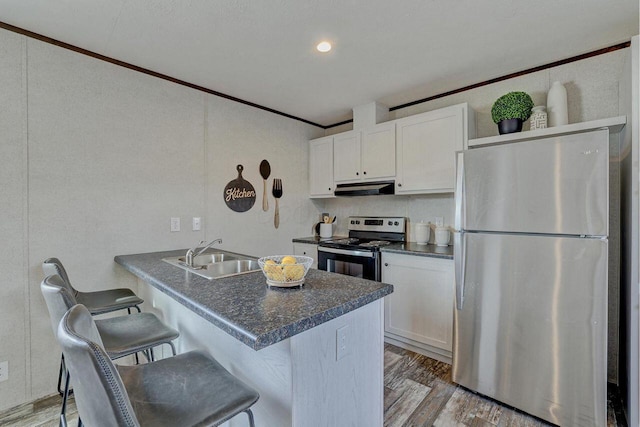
{"x": 60, "y": 392}
{"x": 173, "y": 347}
{"x": 65, "y": 396}
{"x": 250, "y": 415}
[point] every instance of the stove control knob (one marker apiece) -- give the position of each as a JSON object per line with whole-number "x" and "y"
{"x": 396, "y": 223}
{"x": 390, "y": 223}
{"x": 357, "y": 222}
{"x": 353, "y": 222}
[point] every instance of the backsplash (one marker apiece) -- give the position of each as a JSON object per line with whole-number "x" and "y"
{"x": 416, "y": 208}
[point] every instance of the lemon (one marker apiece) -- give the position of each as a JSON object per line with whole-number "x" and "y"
{"x": 288, "y": 260}
{"x": 293, "y": 272}
{"x": 275, "y": 273}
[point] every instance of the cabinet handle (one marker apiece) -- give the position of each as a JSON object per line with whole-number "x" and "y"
{"x": 386, "y": 264}
{"x": 399, "y": 185}
{"x": 357, "y": 173}
{"x": 365, "y": 172}
{"x": 329, "y": 188}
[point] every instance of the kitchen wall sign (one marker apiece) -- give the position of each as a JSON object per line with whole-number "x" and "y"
{"x": 239, "y": 194}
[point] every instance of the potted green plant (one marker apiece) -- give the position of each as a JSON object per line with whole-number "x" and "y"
{"x": 510, "y": 111}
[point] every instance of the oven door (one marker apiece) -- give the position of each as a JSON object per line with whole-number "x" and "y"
{"x": 364, "y": 264}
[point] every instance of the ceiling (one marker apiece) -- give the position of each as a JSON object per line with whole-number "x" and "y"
{"x": 392, "y": 52}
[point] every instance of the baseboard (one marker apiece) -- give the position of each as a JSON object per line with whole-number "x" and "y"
{"x": 425, "y": 350}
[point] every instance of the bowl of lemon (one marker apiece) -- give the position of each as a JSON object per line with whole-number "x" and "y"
{"x": 285, "y": 271}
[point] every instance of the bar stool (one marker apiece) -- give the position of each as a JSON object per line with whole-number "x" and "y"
{"x": 191, "y": 389}
{"x": 98, "y": 302}
{"x": 122, "y": 336}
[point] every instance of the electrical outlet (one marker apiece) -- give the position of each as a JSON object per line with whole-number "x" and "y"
{"x": 4, "y": 370}
{"x": 175, "y": 224}
{"x": 196, "y": 223}
{"x": 342, "y": 342}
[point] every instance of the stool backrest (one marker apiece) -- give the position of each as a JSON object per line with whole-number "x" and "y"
{"x": 52, "y": 266}
{"x": 100, "y": 395}
{"x": 58, "y": 298}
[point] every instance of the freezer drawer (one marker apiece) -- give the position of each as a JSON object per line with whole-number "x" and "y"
{"x": 552, "y": 186}
{"x": 532, "y": 328}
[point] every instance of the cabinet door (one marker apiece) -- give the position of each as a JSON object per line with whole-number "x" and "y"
{"x": 346, "y": 157}
{"x": 426, "y": 146}
{"x": 321, "y": 167}
{"x": 307, "y": 249}
{"x": 422, "y": 303}
{"x": 379, "y": 152}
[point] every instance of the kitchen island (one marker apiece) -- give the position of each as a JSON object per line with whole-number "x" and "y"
{"x": 314, "y": 353}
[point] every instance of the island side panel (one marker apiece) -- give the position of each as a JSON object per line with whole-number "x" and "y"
{"x": 334, "y": 388}
{"x": 267, "y": 370}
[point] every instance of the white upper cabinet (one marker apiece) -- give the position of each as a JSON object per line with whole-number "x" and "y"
{"x": 426, "y": 146}
{"x": 379, "y": 152}
{"x": 365, "y": 155}
{"x": 321, "y": 182}
{"x": 346, "y": 157}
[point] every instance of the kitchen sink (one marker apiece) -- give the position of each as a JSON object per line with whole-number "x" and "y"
{"x": 215, "y": 265}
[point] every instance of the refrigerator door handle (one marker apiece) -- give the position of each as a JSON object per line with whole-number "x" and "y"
{"x": 459, "y": 260}
{"x": 459, "y": 199}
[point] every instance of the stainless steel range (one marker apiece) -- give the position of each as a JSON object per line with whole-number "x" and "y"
{"x": 359, "y": 254}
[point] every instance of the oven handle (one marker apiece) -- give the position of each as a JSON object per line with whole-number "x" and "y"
{"x": 364, "y": 254}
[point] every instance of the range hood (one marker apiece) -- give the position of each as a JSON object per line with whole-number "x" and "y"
{"x": 365, "y": 189}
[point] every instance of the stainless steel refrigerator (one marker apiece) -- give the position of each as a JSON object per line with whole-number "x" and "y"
{"x": 531, "y": 259}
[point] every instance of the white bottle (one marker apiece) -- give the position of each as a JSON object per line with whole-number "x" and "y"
{"x": 557, "y": 111}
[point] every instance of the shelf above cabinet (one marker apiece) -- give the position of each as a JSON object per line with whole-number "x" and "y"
{"x": 614, "y": 124}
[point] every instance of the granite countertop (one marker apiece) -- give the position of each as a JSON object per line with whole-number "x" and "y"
{"x": 246, "y": 308}
{"x": 412, "y": 248}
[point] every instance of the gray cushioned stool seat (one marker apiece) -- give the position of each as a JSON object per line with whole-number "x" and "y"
{"x": 186, "y": 390}
{"x": 190, "y": 389}
{"x": 136, "y": 332}
{"x": 97, "y": 302}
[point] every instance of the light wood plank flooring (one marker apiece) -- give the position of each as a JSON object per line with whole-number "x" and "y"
{"x": 418, "y": 392}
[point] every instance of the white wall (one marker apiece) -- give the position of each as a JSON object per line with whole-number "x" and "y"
{"x": 95, "y": 159}
{"x": 593, "y": 92}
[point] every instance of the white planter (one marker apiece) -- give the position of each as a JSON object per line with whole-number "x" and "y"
{"x": 538, "y": 119}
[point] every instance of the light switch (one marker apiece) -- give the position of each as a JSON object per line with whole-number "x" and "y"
{"x": 175, "y": 224}
{"x": 196, "y": 223}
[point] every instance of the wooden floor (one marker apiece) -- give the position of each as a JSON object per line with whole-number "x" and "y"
{"x": 418, "y": 392}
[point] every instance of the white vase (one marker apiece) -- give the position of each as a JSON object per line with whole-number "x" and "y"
{"x": 538, "y": 118}
{"x": 557, "y": 112}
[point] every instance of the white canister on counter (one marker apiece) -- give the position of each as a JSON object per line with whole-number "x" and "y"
{"x": 326, "y": 230}
{"x": 422, "y": 231}
{"x": 442, "y": 236}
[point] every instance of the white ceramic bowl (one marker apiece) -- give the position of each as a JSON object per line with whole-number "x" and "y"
{"x": 285, "y": 275}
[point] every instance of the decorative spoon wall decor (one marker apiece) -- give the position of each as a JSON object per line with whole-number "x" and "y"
{"x": 265, "y": 171}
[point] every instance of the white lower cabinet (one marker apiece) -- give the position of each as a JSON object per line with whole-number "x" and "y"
{"x": 419, "y": 313}
{"x": 307, "y": 249}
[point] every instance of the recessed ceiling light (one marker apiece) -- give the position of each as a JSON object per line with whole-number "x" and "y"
{"x": 324, "y": 47}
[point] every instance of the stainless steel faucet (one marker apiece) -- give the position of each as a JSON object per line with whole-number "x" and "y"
{"x": 191, "y": 253}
